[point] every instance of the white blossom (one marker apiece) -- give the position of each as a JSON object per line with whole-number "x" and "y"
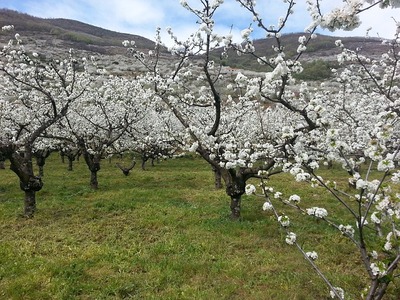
{"x": 312, "y": 255}
{"x": 284, "y": 221}
{"x": 317, "y": 212}
{"x": 294, "y": 198}
{"x": 290, "y": 238}
{"x": 250, "y": 189}
{"x": 267, "y": 206}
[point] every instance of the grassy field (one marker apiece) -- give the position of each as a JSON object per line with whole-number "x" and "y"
{"x": 163, "y": 233}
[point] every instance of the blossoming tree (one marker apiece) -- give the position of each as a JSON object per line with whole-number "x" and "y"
{"x": 113, "y": 106}
{"x": 36, "y": 94}
{"x": 220, "y": 123}
{"x": 354, "y": 123}
{"x": 313, "y": 126}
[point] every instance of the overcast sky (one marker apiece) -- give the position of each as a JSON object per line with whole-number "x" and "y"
{"x": 142, "y": 17}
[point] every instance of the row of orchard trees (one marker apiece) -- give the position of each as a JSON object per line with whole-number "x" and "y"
{"x": 68, "y": 104}
{"x": 252, "y": 127}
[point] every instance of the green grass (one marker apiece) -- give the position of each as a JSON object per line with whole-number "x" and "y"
{"x": 163, "y": 233}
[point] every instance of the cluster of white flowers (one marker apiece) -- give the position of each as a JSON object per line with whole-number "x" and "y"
{"x": 294, "y": 198}
{"x": 374, "y": 218}
{"x": 378, "y": 268}
{"x": 267, "y": 206}
{"x": 302, "y": 47}
{"x": 392, "y": 237}
{"x": 312, "y": 255}
{"x": 291, "y": 238}
{"x": 127, "y": 43}
{"x": 7, "y": 28}
{"x": 317, "y": 212}
{"x": 250, "y": 189}
{"x": 338, "y": 291}
{"x": 245, "y": 33}
{"x": 284, "y": 221}
{"x": 385, "y": 165}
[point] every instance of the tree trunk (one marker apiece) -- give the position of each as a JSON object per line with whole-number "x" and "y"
{"x": 70, "y": 163}
{"x": 21, "y": 164}
{"x": 143, "y": 163}
{"x": 2, "y": 164}
{"x": 218, "y": 178}
{"x": 93, "y": 163}
{"x": 29, "y": 203}
{"x": 235, "y": 187}
{"x": 62, "y": 155}
{"x": 94, "y": 184}
{"x": 236, "y": 206}
{"x": 30, "y": 188}
{"x": 41, "y": 171}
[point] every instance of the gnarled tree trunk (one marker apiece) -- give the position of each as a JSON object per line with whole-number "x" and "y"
{"x": 235, "y": 183}
{"x": 93, "y": 163}
{"x": 21, "y": 164}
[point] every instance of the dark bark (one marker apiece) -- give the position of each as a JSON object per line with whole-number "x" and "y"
{"x": 41, "y": 170}
{"x": 41, "y": 161}
{"x": 2, "y": 164}
{"x": 70, "y": 163}
{"x": 235, "y": 183}
{"x": 144, "y": 159}
{"x": 218, "y": 178}
{"x": 21, "y": 165}
{"x": 93, "y": 163}
{"x": 71, "y": 153}
{"x": 71, "y": 156}
{"x": 236, "y": 202}
{"x": 94, "y": 184}
{"x": 41, "y": 156}
{"x": 126, "y": 170}
{"x": 34, "y": 185}
{"x": 29, "y": 203}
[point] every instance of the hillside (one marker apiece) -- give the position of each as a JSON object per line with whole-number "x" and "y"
{"x": 69, "y": 33}
{"x": 53, "y": 35}
{"x": 322, "y": 48}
